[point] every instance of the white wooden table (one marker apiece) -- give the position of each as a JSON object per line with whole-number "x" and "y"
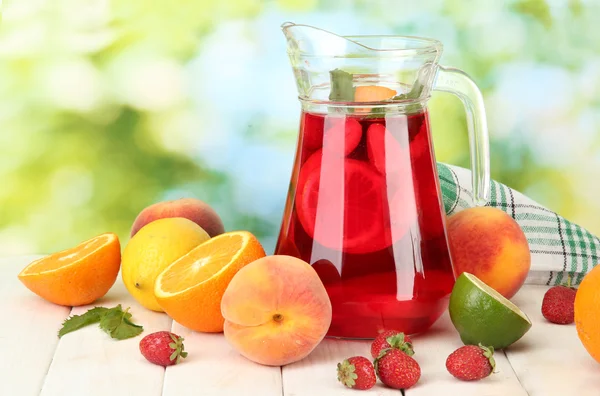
{"x": 548, "y": 361}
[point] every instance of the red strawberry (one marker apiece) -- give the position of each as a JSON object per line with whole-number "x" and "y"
{"x": 471, "y": 362}
{"x": 163, "y": 348}
{"x": 391, "y": 339}
{"x": 357, "y": 373}
{"x": 396, "y": 369}
{"x": 558, "y": 305}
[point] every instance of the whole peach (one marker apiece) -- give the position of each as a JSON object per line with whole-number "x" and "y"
{"x": 491, "y": 245}
{"x": 190, "y": 208}
{"x": 276, "y": 310}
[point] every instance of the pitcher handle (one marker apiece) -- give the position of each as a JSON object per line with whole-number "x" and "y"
{"x": 457, "y": 82}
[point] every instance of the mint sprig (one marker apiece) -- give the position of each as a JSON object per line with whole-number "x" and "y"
{"x": 77, "y": 322}
{"x": 343, "y": 90}
{"x": 342, "y": 86}
{"x": 115, "y": 321}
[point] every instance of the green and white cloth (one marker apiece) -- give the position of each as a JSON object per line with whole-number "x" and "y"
{"x": 558, "y": 247}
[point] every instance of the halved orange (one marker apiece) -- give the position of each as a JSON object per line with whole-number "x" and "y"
{"x": 76, "y": 276}
{"x": 190, "y": 290}
{"x": 587, "y": 320}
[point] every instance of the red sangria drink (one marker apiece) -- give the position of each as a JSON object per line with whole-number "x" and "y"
{"x": 365, "y": 210}
{"x": 364, "y": 206}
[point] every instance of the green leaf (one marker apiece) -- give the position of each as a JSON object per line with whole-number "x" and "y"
{"x": 488, "y": 352}
{"x": 376, "y": 112}
{"x": 77, "y": 322}
{"x": 117, "y": 323}
{"x": 414, "y": 93}
{"x": 342, "y": 86}
{"x": 126, "y": 330}
{"x": 112, "y": 318}
{"x": 397, "y": 342}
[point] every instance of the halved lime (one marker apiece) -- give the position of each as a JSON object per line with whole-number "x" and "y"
{"x": 482, "y": 315}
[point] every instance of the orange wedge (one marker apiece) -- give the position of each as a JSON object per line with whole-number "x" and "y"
{"x": 372, "y": 93}
{"x": 190, "y": 290}
{"x": 76, "y": 276}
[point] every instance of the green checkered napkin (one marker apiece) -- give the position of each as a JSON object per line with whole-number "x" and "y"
{"x": 558, "y": 247}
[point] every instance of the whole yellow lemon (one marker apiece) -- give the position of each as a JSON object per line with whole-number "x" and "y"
{"x": 154, "y": 247}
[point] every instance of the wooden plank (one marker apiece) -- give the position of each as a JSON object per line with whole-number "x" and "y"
{"x": 550, "y": 360}
{"x": 28, "y": 332}
{"x": 316, "y": 375}
{"x": 213, "y": 368}
{"x": 88, "y": 362}
{"x": 431, "y": 351}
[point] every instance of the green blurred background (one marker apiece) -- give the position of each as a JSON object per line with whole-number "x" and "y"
{"x": 109, "y": 106}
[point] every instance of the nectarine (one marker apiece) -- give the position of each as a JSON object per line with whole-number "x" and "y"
{"x": 190, "y": 208}
{"x": 489, "y": 244}
{"x": 276, "y": 310}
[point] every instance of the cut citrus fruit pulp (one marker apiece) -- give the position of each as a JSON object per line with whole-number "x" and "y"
{"x": 349, "y": 199}
{"x": 152, "y": 249}
{"x": 200, "y": 264}
{"x": 393, "y": 161}
{"x": 190, "y": 289}
{"x": 387, "y": 155}
{"x": 482, "y": 315}
{"x": 372, "y": 93}
{"x": 76, "y": 276}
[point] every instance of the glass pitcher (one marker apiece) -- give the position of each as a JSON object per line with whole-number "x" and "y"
{"x": 364, "y": 206}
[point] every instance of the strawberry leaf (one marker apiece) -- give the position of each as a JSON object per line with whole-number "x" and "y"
{"x": 347, "y": 373}
{"x": 488, "y": 352}
{"x": 398, "y": 341}
{"x": 178, "y": 348}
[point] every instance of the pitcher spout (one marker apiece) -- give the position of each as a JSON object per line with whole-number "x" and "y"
{"x": 316, "y": 55}
{"x": 313, "y": 41}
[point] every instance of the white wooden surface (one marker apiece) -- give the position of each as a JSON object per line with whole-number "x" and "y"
{"x": 548, "y": 361}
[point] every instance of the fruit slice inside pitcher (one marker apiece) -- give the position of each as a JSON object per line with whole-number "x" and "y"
{"x": 340, "y": 205}
{"x": 312, "y": 131}
{"x": 341, "y": 135}
{"x": 335, "y": 134}
{"x": 359, "y": 220}
{"x": 393, "y": 161}
{"x": 387, "y": 154}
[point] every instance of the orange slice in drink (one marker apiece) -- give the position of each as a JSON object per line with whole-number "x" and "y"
{"x": 76, "y": 276}
{"x": 190, "y": 290}
{"x": 372, "y": 93}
